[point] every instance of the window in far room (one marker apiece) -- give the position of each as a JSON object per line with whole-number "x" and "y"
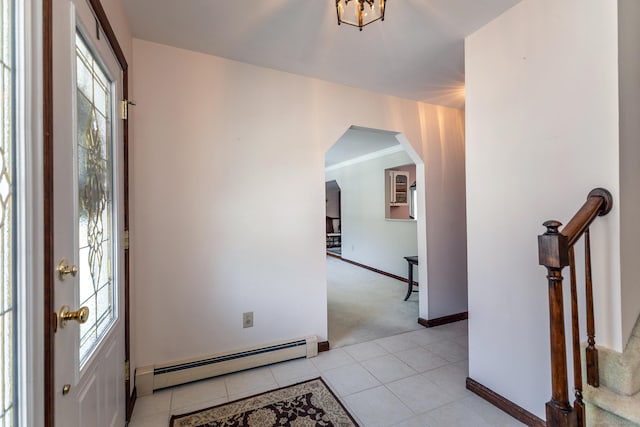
{"x": 413, "y": 202}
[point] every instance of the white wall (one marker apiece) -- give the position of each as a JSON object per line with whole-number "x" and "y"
{"x": 445, "y": 212}
{"x": 367, "y": 237}
{"x": 120, "y": 25}
{"x": 542, "y": 131}
{"x": 212, "y": 138}
{"x": 629, "y": 63}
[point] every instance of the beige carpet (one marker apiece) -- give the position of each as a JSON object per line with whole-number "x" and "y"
{"x": 363, "y": 305}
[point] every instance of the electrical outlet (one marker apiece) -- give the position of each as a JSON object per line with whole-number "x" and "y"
{"x": 247, "y": 319}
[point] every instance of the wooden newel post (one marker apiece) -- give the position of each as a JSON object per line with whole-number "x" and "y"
{"x": 553, "y": 253}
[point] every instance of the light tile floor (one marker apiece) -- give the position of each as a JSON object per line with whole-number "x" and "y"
{"x": 415, "y": 379}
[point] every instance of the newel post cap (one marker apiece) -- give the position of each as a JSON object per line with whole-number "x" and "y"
{"x": 552, "y": 226}
{"x": 553, "y": 246}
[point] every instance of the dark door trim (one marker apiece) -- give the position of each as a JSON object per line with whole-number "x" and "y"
{"x": 47, "y": 164}
{"x": 49, "y": 262}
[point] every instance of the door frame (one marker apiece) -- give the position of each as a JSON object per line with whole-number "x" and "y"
{"x": 48, "y": 197}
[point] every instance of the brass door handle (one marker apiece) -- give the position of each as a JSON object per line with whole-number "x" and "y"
{"x": 80, "y": 316}
{"x": 64, "y": 269}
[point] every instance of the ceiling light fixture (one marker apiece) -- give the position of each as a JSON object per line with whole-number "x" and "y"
{"x": 360, "y": 13}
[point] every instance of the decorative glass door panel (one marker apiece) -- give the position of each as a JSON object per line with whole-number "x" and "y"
{"x": 95, "y": 177}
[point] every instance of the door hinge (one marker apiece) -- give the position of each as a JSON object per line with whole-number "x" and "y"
{"x": 124, "y": 107}
{"x": 125, "y": 240}
{"x": 127, "y": 376}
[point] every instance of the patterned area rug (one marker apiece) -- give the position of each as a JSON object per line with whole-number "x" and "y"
{"x": 305, "y": 404}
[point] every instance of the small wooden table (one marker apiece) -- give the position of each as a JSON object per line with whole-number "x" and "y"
{"x": 411, "y": 261}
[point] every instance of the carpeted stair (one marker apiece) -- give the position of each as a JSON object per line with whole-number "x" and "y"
{"x": 616, "y": 403}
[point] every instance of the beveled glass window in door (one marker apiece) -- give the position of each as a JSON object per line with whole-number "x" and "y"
{"x": 95, "y": 201}
{"x": 7, "y": 223}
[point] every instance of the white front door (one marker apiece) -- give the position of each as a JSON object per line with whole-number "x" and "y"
{"x": 89, "y": 347}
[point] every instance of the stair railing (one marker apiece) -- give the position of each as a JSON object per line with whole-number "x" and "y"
{"x": 556, "y": 251}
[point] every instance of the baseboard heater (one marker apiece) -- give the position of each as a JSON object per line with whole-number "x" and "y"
{"x": 156, "y": 377}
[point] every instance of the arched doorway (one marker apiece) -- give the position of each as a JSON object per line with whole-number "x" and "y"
{"x": 367, "y": 284}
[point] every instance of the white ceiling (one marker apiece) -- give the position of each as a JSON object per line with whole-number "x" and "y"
{"x": 357, "y": 142}
{"x": 416, "y": 53}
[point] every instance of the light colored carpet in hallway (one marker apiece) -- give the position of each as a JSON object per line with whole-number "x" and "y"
{"x": 363, "y": 305}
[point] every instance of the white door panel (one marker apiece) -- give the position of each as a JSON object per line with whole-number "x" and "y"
{"x": 88, "y": 171}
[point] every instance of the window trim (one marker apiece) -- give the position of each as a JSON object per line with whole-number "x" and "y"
{"x": 29, "y": 219}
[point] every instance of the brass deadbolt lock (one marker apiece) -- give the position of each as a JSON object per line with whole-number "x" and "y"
{"x": 64, "y": 268}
